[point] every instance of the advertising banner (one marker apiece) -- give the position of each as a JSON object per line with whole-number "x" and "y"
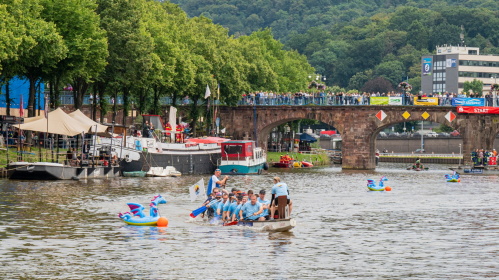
{"x": 451, "y": 62}
{"x": 385, "y": 100}
{"x": 426, "y": 101}
{"x": 468, "y": 101}
{"x": 477, "y": 110}
{"x": 427, "y": 66}
{"x": 378, "y": 100}
{"x": 395, "y": 100}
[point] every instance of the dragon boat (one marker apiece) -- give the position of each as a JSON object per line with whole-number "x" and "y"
{"x": 372, "y": 186}
{"x": 136, "y": 216}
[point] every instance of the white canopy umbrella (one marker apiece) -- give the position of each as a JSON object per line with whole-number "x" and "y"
{"x": 78, "y": 115}
{"x": 58, "y": 123}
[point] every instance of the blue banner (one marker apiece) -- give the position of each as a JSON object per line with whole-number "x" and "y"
{"x": 427, "y": 66}
{"x": 468, "y": 101}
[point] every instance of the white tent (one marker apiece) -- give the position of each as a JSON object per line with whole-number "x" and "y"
{"x": 58, "y": 123}
{"x": 28, "y": 120}
{"x": 78, "y": 115}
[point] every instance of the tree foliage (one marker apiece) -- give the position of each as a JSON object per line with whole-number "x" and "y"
{"x": 344, "y": 38}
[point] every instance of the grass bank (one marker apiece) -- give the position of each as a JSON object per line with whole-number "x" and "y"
{"x": 315, "y": 159}
{"x": 29, "y": 156}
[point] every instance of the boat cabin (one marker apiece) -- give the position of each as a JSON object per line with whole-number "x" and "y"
{"x": 239, "y": 149}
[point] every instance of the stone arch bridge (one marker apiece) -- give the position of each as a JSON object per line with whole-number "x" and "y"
{"x": 358, "y": 125}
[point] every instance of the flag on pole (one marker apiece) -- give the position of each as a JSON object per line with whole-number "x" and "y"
{"x": 208, "y": 92}
{"x": 197, "y": 190}
{"x": 218, "y": 91}
{"x": 21, "y": 107}
{"x": 46, "y": 106}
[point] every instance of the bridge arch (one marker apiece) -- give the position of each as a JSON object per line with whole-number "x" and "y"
{"x": 358, "y": 125}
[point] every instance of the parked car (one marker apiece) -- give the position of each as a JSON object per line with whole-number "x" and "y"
{"x": 443, "y": 134}
{"x": 420, "y": 151}
{"x": 432, "y": 134}
{"x": 455, "y": 133}
{"x": 382, "y": 134}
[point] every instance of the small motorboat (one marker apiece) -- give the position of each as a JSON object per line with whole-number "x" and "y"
{"x": 134, "y": 173}
{"x": 306, "y": 164}
{"x": 168, "y": 171}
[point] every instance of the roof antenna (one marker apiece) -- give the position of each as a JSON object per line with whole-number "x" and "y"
{"x": 461, "y": 36}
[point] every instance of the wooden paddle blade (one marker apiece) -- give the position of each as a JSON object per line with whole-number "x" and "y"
{"x": 230, "y": 224}
{"x": 198, "y": 211}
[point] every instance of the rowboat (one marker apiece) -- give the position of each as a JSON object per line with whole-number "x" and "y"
{"x": 270, "y": 225}
{"x": 134, "y": 174}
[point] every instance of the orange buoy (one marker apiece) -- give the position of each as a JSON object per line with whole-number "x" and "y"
{"x": 162, "y": 222}
{"x": 387, "y": 188}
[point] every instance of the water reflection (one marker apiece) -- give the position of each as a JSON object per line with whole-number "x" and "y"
{"x": 424, "y": 228}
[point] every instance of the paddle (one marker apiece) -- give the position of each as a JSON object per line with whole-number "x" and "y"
{"x": 230, "y": 224}
{"x": 235, "y": 222}
{"x": 198, "y": 211}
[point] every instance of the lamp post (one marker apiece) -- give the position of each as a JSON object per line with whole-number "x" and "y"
{"x": 460, "y": 156}
{"x": 494, "y": 92}
{"x": 422, "y": 139}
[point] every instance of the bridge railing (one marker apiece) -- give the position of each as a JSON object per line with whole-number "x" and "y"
{"x": 293, "y": 100}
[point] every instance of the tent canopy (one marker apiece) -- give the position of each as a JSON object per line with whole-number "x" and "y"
{"x": 58, "y": 123}
{"x": 78, "y": 115}
{"x": 328, "y": 132}
{"x": 305, "y": 137}
{"x": 207, "y": 140}
{"x": 28, "y": 120}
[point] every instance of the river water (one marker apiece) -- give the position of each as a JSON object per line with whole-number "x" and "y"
{"x": 425, "y": 228}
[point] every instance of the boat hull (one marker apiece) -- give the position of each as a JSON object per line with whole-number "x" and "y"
{"x": 55, "y": 171}
{"x": 282, "y": 164}
{"x": 238, "y": 169}
{"x": 146, "y": 221}
{"x": 376, "y": 189}
{"x": 134, "y": 174}
{"x": 270, "y": 225}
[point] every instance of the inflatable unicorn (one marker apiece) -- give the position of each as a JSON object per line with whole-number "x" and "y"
{"x": 137, "y": 216}
{"x": 453, "y": 178}
{"x": 371, "y": 185}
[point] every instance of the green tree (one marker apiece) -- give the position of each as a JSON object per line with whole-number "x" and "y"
{"x": 42, "y": 48}
{"x": 78, "y": 23}
{"x": 393, "y": 71}
{"x": 475, "y": 87}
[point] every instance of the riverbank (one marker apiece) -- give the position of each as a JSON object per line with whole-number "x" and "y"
{"x": 425, "y": 158}
{"x": 317, "y": 159}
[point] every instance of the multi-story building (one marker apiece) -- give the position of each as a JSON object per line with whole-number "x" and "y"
{"x": 453, "y": 65}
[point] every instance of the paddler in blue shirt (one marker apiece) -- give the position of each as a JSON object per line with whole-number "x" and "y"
{"x": 265, "y": 203}
{"x": 216, "y": 182}
{"x": 252, "y": 210}
{"x": 214, "y": 204}
{"x": 279, "y": 189}
{"x": 222, "y": 208}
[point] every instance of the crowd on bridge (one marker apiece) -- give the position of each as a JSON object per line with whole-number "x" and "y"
{"x": 346, "y": 98}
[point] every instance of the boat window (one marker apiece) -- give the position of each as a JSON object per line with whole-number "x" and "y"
{"x": 233, "y": 149}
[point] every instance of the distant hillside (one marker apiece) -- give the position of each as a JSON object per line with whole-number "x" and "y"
{"x": 353, "y": 41}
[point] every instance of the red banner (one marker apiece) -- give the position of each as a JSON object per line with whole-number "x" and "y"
{"x": 477, "y": 110}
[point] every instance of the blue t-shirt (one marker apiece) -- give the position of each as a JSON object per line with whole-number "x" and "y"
{"x": 249, "y": 209}
{"x": 214, "y": 204}
{"x": 265, "y": 211}
{"x": 212, "y": 184}
{"x": 280, "y": 189}
{"x": 237, "y": 210}
{"x": 232, "y": 208}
